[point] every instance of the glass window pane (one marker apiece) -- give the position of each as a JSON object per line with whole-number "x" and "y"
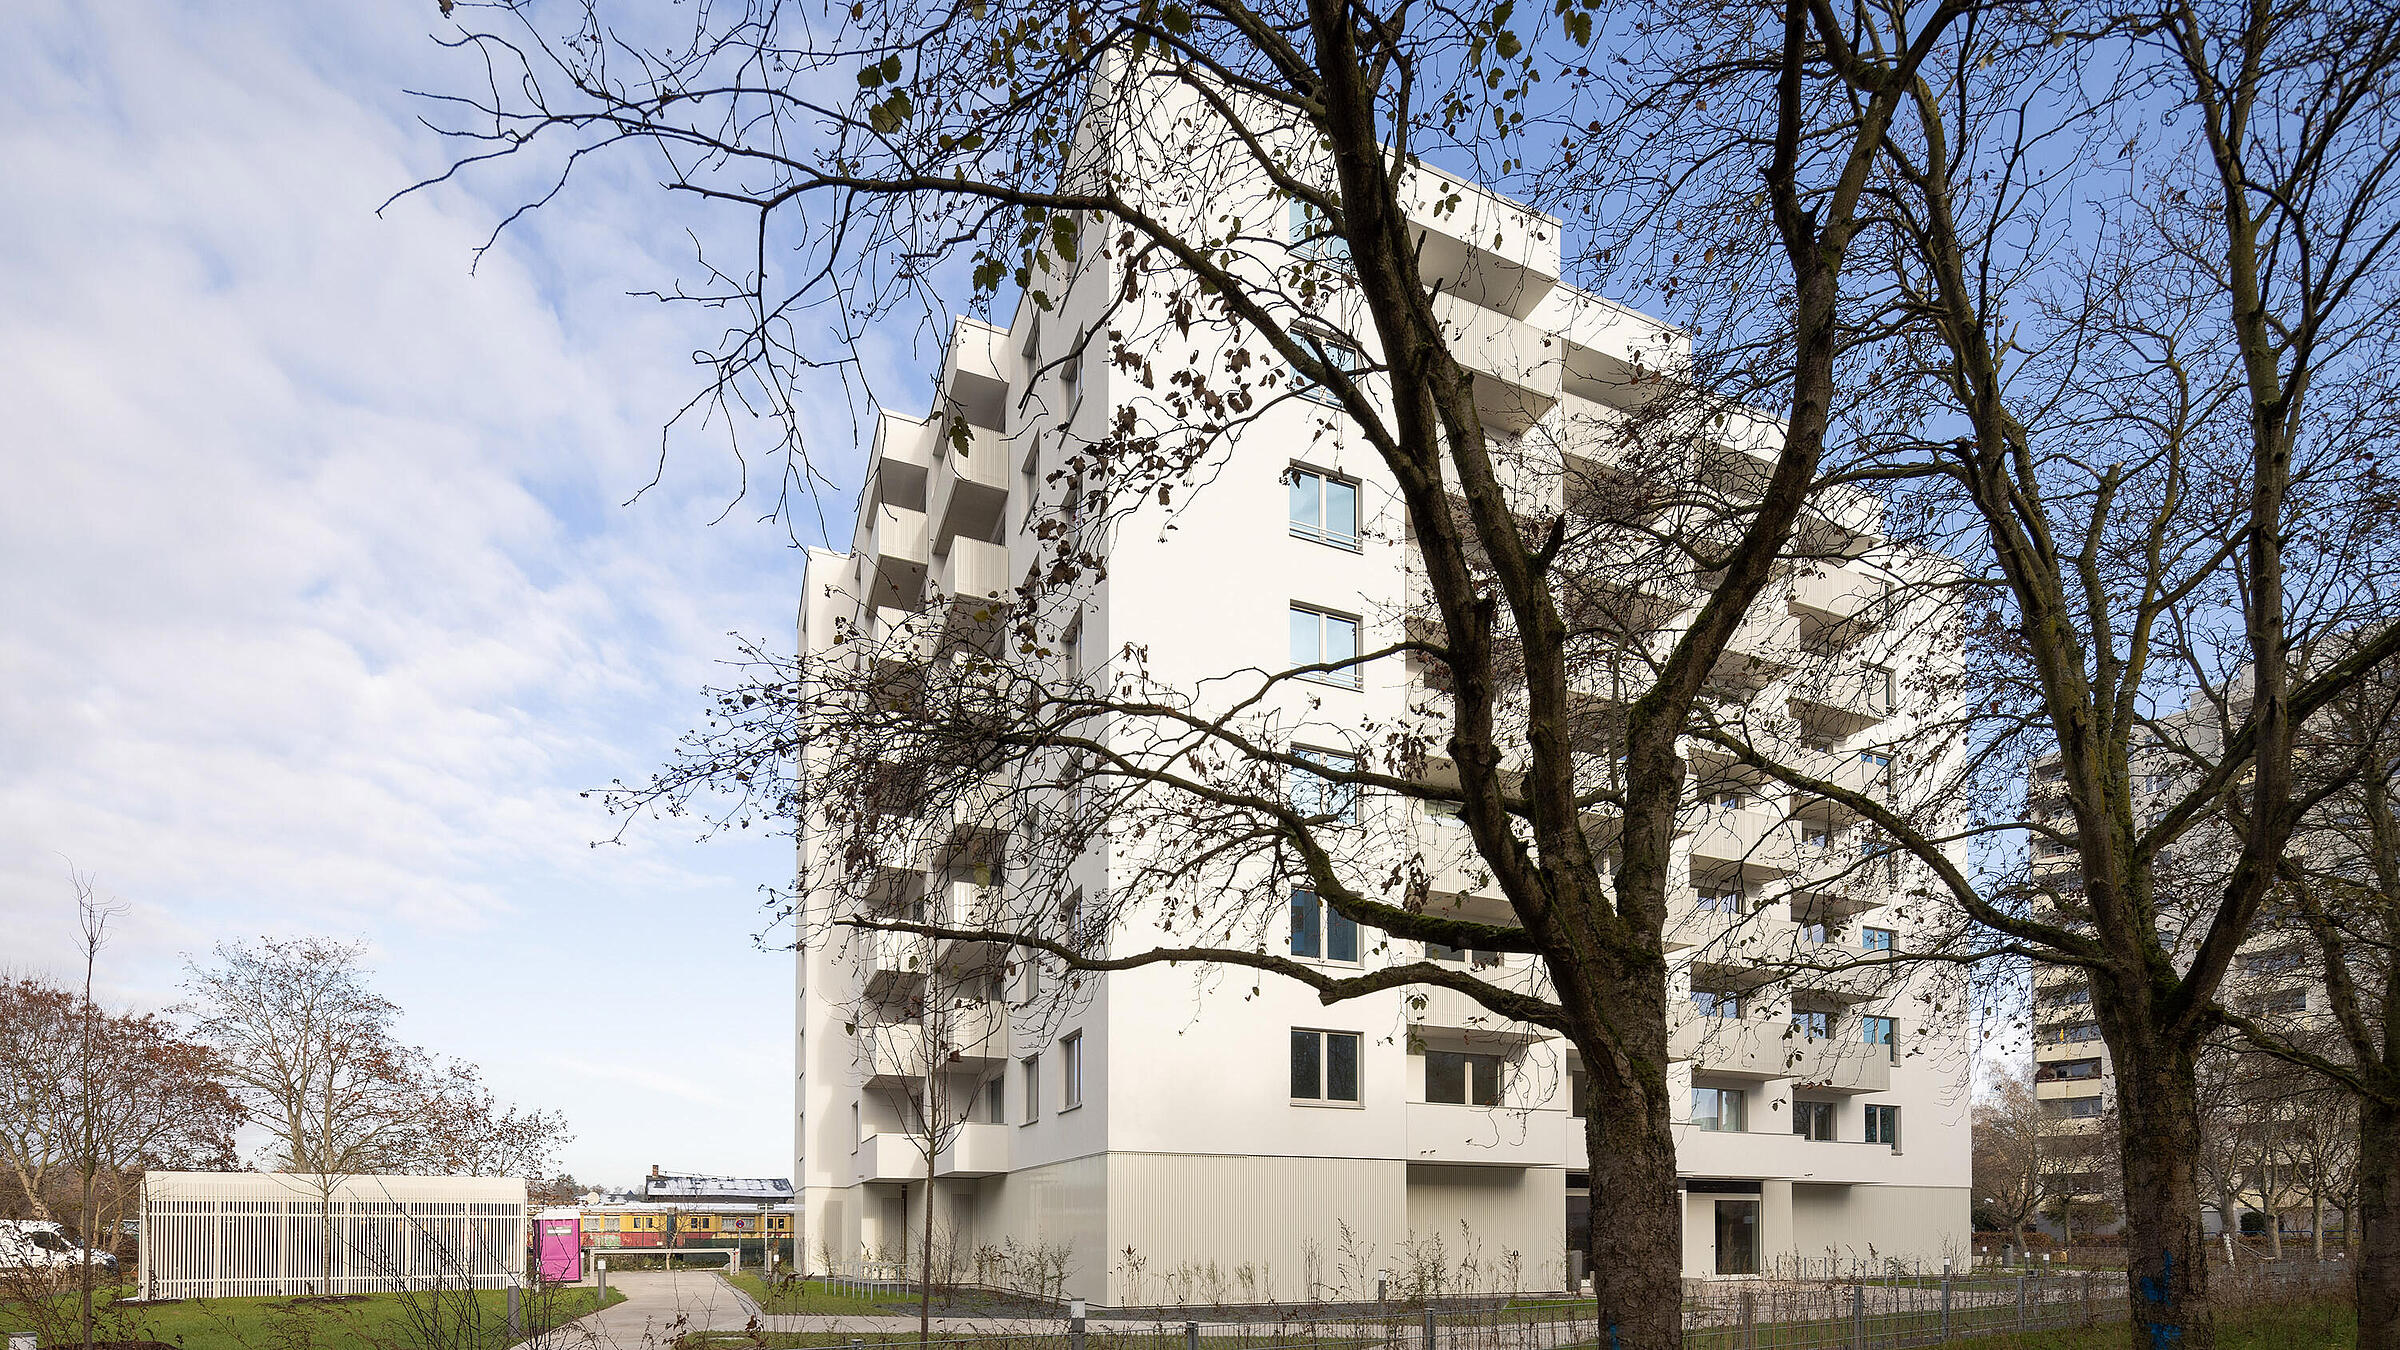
{"x": 1486, "y": 1084}
{"x": 1341, "y": 937}
{"x": 1304, "y": 499}
{"x": 1341, "y": 510}
{"x": 1704, "y": 1108}
{"x": 1445, "y": 1076}
{"x": 1305, "y": 937}
{"x": 1306, "y": 1070}
{"x": 1730, "y": 1107}
{"x": 1341, "y": 642}
{"x": 1306, "y": 634}
{"x": 1341, "y": 1066}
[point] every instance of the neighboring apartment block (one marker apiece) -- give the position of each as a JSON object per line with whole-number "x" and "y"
{"x": 1171, "y": 1120}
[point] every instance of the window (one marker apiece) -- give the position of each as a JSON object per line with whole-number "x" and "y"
{"x": 1070, "y": 1072}
{"x": 1324, "y": 508}
{"x": 1032, "y": 1079}
{"x": 2272, "y": 963}
{"x": 995, "y": 1099}
{"x": 1312, "y": 234}
{"x": 1334, "y": 352}
{"x": 1813, "y": 1120}
{"x": 1313, "y": 795}
{"x": 1879, "y": 768}
{"x": 1718, "y": 1109}
{"x": 1319, "y": 930}
{"x": 1812, "y": 1022}
{"x": 2071, "y": 1033}
{"x": 1881, "y": 1031}
{"x": 1321, "y": 637}
{"x": 1714, "y": 1004}
{"x": 1875, "y": 939}
{"x": 2068, "y": 994}
{"x": 1720, "y": 897}
{"x": 1883, "y": 689}
{"x": 1462, "y": 1079}
{"x": 1577, "y": 1085}
{"x": 1814, "y": 931}
{"x": 1324, "y": 1066}
{"x": 1730, "y": 797}
{"x": 2067, "y": 1071}
{"x": 2073, "y": 1108}
{"x": 1481, "y": 960}
{"x": 1883, "y": 1126}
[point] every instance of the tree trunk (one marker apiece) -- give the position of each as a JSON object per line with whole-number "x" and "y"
{"x": 2166, "y": 1251}
{"x": 2374, "y": 1225}
{"x": 1636, "y": 1241}
{"x": 925, "y": 1269}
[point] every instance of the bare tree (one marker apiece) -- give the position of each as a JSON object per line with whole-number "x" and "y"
{"x": 2012, "y": 1158}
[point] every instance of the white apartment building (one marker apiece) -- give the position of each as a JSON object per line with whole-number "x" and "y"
{"x": 1168, "y": 1120}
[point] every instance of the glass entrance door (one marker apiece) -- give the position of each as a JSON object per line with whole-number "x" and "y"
{"x": 1737, "y": 1237}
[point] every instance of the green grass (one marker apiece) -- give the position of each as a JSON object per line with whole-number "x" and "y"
{"x": 375, "y": 1321}
{"x": 2320, "y": 1325}
{"x": 814, "y": 1298}
{"x": 1112, "y": 1340}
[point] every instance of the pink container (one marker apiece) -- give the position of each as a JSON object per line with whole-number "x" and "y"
{"x": 558, "y": 1245}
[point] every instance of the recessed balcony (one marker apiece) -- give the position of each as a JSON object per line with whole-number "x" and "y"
{"x": 1488, "y": 1136}
{"x": 969, "y": 493}
{"x": 895, "y": 542}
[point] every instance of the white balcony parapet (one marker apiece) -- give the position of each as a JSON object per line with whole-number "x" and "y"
{"x": 1778, "y": 1154}
{"x": 975, "y": 372}
{"x": 896, "y": 543}
{"x": 974, "y": 570}
{"x": 969, "y": 492}
{"x": 1494, "y": 1136}
{"x": 976, "y": 1149}
{"x": 884, "y": 1156}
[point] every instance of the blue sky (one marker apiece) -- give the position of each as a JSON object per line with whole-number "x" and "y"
{"x": 322, "y": 598}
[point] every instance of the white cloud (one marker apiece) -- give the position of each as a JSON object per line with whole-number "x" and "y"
{"x": 319, "y": 603}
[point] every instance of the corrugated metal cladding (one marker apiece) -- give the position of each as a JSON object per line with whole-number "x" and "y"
{"x": 256, "y": 1234}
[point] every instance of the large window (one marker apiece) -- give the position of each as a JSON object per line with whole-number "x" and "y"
{"x": 1466, "y": 956}
{"x": 1813, "y": 1120}
{"x": 1324, "y": 1066}
{"x": 2074, "y": 1108}
{"x": 1716, "y": 1108}
{"x": 1875, "y": 939}
{"x": 1721, "y": 897}
{"x": 1883, "y": 1126}
{"x": 995, "y": 1099}
{"x": 1070, "y": 1072}
{"x": 1812, "y": 1022}
{"x": 1321, "y": 931}
{"x": 1324, "y": 508}
{"x": 1711, "y": 1003}
{"x": 1322, "y": 637}
{"x": 1312, "y": 235}
{"x": 1031, "y": 1077}
{"x": 1314, "y": 795}
{"x": 1881, "y": 1031}
{"x": 1462, "y": 1079}
{"x": 1333, "y": 352}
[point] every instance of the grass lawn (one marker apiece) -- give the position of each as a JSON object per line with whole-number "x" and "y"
{"x": 1100, "y": 1340}
{"x": 813, "y": 1298}
{"x": 2285, "y": 1326}
{"x": 396, "y": 1321}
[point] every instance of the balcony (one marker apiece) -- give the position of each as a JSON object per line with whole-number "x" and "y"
{"x": 2060, "y": 1089}
{"x": 892, "y": 1052}
{"x": 1476, "y": 244}
{"x": 973, "y": 571}
{"x": 888, "y": 1157}
{"x": 968, "y": 905}
{"x": 900, "y": 459}
{"x": 1837, "y": 595}
{"x": 1489, "y": 1136}
{"x": 890, "y": 960}
{"x": 1781, "y": 1155}
{"x": 1764, "y": 648}
{"x": 979, "y": 1149}
{"x": 1841, "y": 1066}
{"x": 1758, "y": 842}
{"x": 1432, "y": 1007}
{"x": 1733, "y": 1047}
{"x": 970, "y": 487}
{"x": 1516, "y": 366}
{"x": 975, "y": 372}
{"x": 895, "y": 542}
{"x": 975, "y": 1034}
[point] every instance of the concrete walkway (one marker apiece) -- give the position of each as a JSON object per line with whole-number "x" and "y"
{"x": 659, "y": 1306}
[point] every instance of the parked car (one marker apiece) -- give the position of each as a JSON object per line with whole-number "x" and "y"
{"x": 34, "y": 1244}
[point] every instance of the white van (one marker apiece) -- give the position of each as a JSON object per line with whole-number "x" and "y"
{"x": 36, "y": 1244}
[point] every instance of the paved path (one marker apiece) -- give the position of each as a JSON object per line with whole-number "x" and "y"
{"x": 659, "y": 1306}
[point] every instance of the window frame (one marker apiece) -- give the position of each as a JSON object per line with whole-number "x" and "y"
{"x": 1721, "y": 1007}
{"x": 1870, "y": 1023}
{"x": 1070, "y": 1072}
{"x": 1031, "y": 1068}
{"x": 1715, "y": 1124}
{"x": 1346, "y": 813}
{"x": 1351, "y": 676}
{"x": 1324, "y": 1037}
{"x": 1323, "y": 346}
{"x": 1808, "y": 1114}
{"x": 1470, "y": 1080}
{"x": 1322, "y": 532}
{"x": 1878, "y": 939}
{"x": 1325, "y": 922}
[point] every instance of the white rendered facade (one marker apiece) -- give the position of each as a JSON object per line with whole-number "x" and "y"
{"x": 1188, "y": 1147}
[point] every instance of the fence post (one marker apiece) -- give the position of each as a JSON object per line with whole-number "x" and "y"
{"x": 2020, "y": 1303}
{"x": 1945, "y": 1306}
{"x": 1749, "y": 1339}
{"x": 1075, "y": 1324}
{"x": 2091, "y": 1310}
{"x": 1191, "y": 1336}
{"x": 516, "y": 1313}
{"x": 1429, "y": 1329}
{"x": 1858, "y": 1313}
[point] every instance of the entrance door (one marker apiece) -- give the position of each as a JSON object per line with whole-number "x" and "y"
{"x": 1737, "y": 1237}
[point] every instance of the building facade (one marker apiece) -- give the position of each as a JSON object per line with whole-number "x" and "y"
{"x": 1172, "y": 1131}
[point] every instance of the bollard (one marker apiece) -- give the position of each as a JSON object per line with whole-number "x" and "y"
{"x": 1191, "y": 1336}
{"x": 1429, "y": 1329}
{"x": 516, "y": 1313}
